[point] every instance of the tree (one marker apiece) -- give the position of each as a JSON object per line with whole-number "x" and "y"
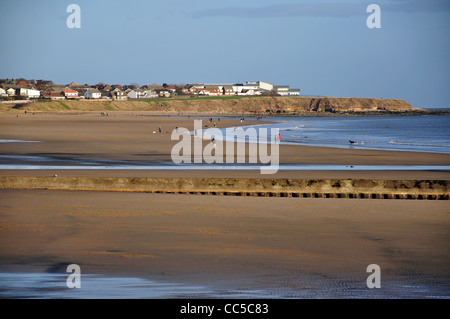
{"x": 133, "y": 86}
{"x": 165, "y": 85}
{"x": 178, "y": 90}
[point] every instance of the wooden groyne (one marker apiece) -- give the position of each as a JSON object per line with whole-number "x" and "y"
{"x": 301, "y": 188}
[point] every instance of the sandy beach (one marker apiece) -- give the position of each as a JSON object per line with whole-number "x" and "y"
{"x": 287, "y": 247}
{"x": 133, "y": 136}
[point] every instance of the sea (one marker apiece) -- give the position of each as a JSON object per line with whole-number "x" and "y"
{"x": 394, "y": 133}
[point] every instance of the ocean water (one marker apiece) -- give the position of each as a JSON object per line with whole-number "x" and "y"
{"x": 399, "y": 133}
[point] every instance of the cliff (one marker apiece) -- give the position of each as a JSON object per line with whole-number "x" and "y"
{"x": 224, "y": 105}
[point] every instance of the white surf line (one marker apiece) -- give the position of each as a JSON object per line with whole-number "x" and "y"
{"x": 17, "y": 141}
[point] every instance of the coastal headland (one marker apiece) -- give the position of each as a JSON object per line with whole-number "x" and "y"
{"x": 231, "y": 106}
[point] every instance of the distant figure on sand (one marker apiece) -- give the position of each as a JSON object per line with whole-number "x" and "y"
{"x": 159, "y": 128}
{"x": 278, "y": 138}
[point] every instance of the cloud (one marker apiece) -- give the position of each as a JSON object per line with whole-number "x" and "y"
{"x": 325, "y": 9}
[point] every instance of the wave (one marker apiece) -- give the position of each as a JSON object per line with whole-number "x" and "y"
{"x": 418, "y": 144}
{"x": 364, "y": 142}
{"x": 293, "y": 128}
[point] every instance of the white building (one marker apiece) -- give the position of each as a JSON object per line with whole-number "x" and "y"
{"x": 29, "y": 93}
{"x": 118, "y": 94}
{"x": 247, "y": 88}
{"x": 3, "y": 92}
{"x": 284, "y": 90}
{"x": 150, "y": 94}
{"x": 261, "y": 85}
{"x": 137, "y": 94}
{"x": 10, "y": 92}
{"x": 92, "y": 94}
{"x": 69, "y": 94}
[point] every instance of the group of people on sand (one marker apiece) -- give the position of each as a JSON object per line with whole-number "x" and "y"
{"x": 212, "y": 121}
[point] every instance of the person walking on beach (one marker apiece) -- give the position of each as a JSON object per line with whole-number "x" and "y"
{"x": 277, "y": 138}
{"x": 213, "y": 140}
{"x": 159, "y": 128}
{"x": 214, "y": 124}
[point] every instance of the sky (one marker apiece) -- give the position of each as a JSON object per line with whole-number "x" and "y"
{"x": 321, "y": 47}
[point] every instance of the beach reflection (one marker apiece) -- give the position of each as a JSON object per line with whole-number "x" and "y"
{"x": 53, "y": 286}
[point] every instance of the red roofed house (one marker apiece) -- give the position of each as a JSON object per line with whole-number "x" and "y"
{"x": 53, "y": 95}
{"x": 22, "y": 83}
{"x": 70, "y": 94}
{"x": 209, "y": 90}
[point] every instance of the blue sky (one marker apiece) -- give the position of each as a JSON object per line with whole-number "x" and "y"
{"x": 321, "y": 47}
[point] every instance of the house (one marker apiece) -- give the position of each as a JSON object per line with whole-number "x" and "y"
{"x": 92, "y": 93}
{"x": 284, "y": 90}
{"x": 103, "y": 87}
{"x": 3, "y": 92}
{"x": 47, "y": 93}
{"x": 261, "y": 85}
{"x": 23, "y": 83}
{"x": 249, "y": 92}
{"x": 70, "y": 94}
{"x": 137, "y": 94}
{"x": 118, "y": 94}
{"x": 163, "y": 92}
{"x": 105, "y": 95}
{"x": 11, "y": 92}
{"x": 227, "y": 89}
{"x": 193, "y": 88}
{"x": 29, "y": 93}
{"x": 210, "y": 90}
{"x": 52, "y": 95}
{"x": 73, "y": 85}
{"x": 150, "y": 94}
